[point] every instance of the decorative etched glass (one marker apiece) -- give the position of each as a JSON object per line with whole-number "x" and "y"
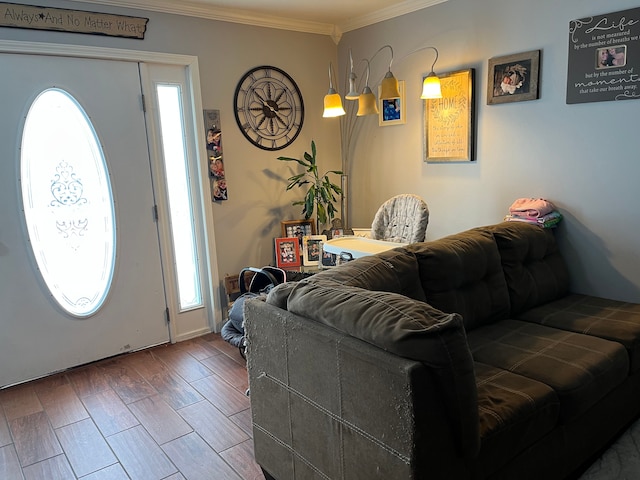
{"x": 68, "y": 205}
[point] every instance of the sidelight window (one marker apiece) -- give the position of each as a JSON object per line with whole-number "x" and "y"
{"x": 183, "y": 232}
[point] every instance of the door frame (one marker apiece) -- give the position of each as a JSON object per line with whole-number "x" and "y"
{"x": 209, "y": 265}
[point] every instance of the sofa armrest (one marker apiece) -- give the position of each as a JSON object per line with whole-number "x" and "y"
{"x": 327, "y": 402}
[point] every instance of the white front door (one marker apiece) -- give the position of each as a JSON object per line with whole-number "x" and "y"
{"x": 36, "y": 335}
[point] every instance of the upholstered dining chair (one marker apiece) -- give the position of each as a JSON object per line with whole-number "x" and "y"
{"x": 403, "y": 218}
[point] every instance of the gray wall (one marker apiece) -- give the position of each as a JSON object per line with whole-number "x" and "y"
{"x": 582, "y": 157}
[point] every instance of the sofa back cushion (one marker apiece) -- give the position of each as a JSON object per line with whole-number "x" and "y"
{"x": 462, "y": 273}
{"x": 394, "y": 270}
{"x": 408, "y": 328}
{"x": 534, "y": 269}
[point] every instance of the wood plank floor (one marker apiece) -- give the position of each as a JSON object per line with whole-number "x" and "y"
{"x": 170, "y": 412}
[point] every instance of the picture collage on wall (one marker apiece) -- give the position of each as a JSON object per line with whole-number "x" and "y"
{"x": 213, "y": 132}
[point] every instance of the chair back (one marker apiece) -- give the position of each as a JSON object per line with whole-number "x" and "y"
{"x": 403, "y": 218}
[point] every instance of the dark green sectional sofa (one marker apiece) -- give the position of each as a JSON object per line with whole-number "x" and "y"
{"x": 466, "y": 357}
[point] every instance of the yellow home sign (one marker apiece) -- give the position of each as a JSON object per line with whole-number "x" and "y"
{"x": 75, "y": 21}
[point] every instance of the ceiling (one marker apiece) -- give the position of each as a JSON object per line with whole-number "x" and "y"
{"x": 329, "y": 17}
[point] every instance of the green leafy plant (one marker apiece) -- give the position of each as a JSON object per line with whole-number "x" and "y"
{"x": 321, "y": 194}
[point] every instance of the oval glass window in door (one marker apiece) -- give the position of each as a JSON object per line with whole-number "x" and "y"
{"x": 68, "y": 204}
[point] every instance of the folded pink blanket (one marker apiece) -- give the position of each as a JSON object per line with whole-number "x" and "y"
{"x": 531, "y": 207}
{"x": 549, "y": 220}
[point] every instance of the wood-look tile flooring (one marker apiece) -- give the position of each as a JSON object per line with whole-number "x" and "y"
{"x": 170, "y": 412}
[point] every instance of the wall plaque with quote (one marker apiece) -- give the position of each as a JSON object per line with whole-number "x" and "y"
{"x": 604, "y": 57}
{"x": 449, "y": 122}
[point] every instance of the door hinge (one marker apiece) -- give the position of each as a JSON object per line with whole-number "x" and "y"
{"x": 144, "y": 104}
{"x": 155, "y": 213}
{"x": 167, "y": 315}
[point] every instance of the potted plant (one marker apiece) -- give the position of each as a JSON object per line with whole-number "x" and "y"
{"x": 321, "y": 193}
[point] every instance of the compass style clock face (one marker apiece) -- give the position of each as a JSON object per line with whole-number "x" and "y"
{"x": 268, "y": 107}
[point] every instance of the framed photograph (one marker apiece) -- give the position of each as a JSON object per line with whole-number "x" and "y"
{"x": 392, "y": 112}
{"x": 611, "y": 57}
{"x": 513, "y": 78}
{"x": 297, "y": 229}
{"x": 328, "y": 260}
{"x": 287, "y": 252}
{"x": 449, "y": 122}
{"x": 312, "y": 249}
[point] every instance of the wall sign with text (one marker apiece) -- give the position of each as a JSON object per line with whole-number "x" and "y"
{"x": 74, "y": 21}
{"x": 449, "y": 122}
{"x": 604, "y": 57}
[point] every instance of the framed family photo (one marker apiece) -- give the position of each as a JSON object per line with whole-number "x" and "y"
{"x": 312, "y": 249}
{"x": 392, "y": 112}
{"x": 513, "y": 78}
{"x": 287, "y": 252}
{"x": 297, "y": 229}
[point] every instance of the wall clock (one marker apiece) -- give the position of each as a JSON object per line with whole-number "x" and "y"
{"x": 268, "y": 107}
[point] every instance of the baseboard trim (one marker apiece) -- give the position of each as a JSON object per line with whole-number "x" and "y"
{"x": 192, "y": 334}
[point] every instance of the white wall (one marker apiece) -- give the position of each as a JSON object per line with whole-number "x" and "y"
{"x": 584, "y": 157}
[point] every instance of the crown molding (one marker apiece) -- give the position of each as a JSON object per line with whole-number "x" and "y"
{"x": 387, "y": 13}
{"x": 223, "y": 14}
{"x": 200, "y": 10}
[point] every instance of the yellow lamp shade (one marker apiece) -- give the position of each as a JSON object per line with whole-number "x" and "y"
{"x": 332, "y": 104}
{"x": 431, "y": 87}
{"x": 367, "y": 104}
{"x": 389, "y": 87}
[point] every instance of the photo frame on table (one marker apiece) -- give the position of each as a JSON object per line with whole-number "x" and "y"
{"x": 329, "y": 260}
{"x": 449, "y": 122}
{"x": 312, "y": 249}
{"x": 297, "y": 229}
{"x": 392, "y": 112}
{"x": 513, "y": 78}
{"x": 287, "y": 252}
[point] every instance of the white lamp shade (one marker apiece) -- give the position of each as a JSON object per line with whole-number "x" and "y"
{"x": 431, "y": 87}
{"x": 353, "y": 89}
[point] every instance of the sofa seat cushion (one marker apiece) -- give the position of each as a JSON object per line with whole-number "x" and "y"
{"x": 515, "y": 412}
{"x": 533, "y": 266}
{"x": 462, "y": 273}
{"x": 405, "y": 327}
{"x": 604, "y": 318}
{"x": 581, "y": 369}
